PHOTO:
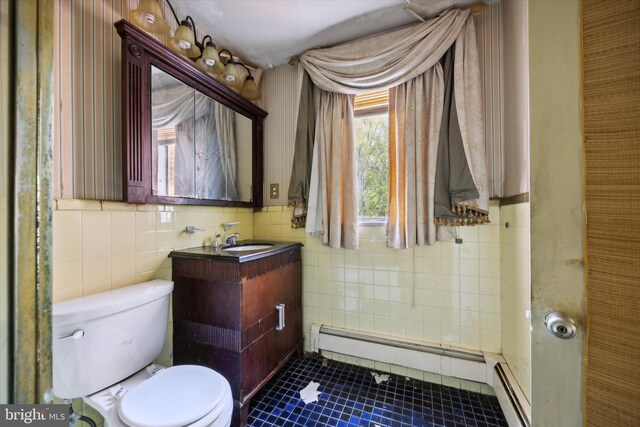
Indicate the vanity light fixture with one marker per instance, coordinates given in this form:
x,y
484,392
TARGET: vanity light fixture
x,y
185,43
231,75
249,89
184,40
148,16
210,59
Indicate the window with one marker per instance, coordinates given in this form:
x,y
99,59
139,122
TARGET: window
x,y
371,123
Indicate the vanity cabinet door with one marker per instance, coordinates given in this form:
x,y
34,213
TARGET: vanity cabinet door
x,y
265,347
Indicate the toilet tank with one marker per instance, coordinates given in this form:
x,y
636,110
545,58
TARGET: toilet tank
x,y
101,339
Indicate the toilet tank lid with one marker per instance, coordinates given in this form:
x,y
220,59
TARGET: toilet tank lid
x,y
110,302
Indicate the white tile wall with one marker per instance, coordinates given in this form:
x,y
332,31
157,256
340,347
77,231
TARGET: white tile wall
x,y
516,292
99,246
447,293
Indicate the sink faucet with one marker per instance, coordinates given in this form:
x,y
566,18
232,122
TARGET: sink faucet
x,y
231,240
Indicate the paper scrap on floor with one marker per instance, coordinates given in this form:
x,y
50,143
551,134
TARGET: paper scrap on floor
x,y
380,378
310,393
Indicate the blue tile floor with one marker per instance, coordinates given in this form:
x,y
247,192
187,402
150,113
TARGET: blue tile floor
x,y
350,397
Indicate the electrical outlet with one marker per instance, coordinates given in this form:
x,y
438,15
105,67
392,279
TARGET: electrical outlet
x,y
274,191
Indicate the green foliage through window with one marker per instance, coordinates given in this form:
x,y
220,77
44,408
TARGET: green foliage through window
x,y
372,137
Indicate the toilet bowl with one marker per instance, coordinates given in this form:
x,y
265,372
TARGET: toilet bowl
x,y
186,395
103,346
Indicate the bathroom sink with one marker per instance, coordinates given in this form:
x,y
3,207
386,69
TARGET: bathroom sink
x,y
256,247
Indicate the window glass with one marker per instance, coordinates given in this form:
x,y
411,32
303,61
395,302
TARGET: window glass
x,y
372,157
372,154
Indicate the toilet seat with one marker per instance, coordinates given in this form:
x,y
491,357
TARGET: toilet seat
x,y
175,396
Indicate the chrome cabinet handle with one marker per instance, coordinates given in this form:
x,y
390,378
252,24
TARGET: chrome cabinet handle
x,y
280,308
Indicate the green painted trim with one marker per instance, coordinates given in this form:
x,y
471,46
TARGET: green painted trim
x,y
4,190
45,193
32,199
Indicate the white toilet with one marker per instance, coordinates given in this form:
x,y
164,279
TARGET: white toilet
x,y
103,347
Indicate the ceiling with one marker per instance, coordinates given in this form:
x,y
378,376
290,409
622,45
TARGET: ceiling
x,y
266,33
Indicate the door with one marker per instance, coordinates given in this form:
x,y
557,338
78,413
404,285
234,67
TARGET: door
x,y
596,42
557,278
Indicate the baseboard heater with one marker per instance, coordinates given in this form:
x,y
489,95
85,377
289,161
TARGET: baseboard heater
x,y
514,404
488,368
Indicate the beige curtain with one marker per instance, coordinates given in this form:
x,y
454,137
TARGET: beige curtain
x,y
307,105
332,212
415,112
407,57
467,88
418,139
373,63
468,95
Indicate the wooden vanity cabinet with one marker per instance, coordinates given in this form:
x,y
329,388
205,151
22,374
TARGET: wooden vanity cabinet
x,y
225,317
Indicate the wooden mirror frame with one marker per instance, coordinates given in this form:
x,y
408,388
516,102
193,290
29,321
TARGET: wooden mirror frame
x,y
139,52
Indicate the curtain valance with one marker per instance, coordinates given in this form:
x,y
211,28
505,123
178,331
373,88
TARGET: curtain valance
x,y
384,60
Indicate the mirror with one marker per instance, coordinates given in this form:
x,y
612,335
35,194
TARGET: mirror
x,y
199,146
187,138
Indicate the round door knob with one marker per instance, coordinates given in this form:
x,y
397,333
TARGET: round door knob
x,y
560,324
